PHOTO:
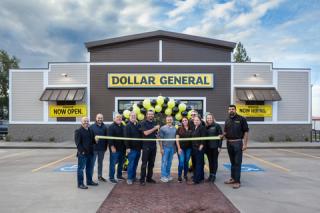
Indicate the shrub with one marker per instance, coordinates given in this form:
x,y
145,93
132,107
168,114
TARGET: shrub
x,y
271,138
7,138
29,138
288,138
306,139
52,139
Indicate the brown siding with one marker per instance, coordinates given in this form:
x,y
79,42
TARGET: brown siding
x,y
185,51
142,50
103,99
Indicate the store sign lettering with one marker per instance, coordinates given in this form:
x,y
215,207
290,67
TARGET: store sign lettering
x,y
254,110
172,80
56,111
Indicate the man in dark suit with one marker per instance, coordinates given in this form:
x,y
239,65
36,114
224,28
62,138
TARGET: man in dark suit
x,y
84,139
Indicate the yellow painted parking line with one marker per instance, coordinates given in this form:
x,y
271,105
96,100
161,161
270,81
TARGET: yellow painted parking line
x,y
53,163
15,154
300,153
267,162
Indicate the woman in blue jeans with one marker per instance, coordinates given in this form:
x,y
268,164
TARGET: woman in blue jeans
x,y
184,148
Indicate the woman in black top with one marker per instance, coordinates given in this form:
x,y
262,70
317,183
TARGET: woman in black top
x,y
198,150
184,148
213,147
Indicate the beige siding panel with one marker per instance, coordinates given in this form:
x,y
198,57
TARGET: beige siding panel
x,y
294,90
244,74
26,89
77,74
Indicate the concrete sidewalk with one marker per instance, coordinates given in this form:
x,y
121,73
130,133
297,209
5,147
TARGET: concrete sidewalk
x,y
71,145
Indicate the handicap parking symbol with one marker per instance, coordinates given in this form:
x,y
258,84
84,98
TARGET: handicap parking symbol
x,y
67,168
245,167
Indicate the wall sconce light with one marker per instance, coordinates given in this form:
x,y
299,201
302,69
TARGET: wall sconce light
x,y
256,75
64,75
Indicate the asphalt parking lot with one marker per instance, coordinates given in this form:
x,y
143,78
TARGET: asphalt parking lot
x,y
43,180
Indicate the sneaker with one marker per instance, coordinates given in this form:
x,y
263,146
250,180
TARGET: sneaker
x,y
179,179
236,185
92,184
213,179
164,180
186,178
102,179
82,186
113,181
151,181
129,182
142,183
121,178
170,178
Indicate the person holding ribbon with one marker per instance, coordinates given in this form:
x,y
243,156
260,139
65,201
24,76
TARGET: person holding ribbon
x,y
117,149
213,147
132,130
198,150
184,148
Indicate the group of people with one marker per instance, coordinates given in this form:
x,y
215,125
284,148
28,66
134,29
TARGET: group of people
x,y
139,140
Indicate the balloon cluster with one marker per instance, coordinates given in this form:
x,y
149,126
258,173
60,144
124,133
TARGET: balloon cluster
x,y
161,105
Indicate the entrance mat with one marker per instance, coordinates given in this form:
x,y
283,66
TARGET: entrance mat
x,y
166,197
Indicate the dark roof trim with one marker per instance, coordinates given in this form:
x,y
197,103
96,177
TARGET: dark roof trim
x,y
161,33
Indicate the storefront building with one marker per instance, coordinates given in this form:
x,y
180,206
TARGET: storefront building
x,y
47,104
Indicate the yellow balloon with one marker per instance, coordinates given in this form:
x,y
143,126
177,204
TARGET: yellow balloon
x,y
171,103
160,100
178,116
140,117
177,127
168,111
123,123
136,110
189,114
151,108
126,113
158,108
146,103
182,107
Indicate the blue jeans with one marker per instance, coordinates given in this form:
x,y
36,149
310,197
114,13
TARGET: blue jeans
x,y
235,155
166,161
100,156
85,161
199,165
133,158
116,158
184,158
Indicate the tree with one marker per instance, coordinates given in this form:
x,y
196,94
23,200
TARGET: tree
x,y
240,54
6,62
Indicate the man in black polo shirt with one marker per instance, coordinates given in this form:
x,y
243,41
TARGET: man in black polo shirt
x,y
149,148
236,132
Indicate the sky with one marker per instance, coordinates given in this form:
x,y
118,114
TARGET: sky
x,y
285,32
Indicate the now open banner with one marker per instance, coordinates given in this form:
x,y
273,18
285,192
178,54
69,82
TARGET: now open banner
x,y
160,80
56,111
254,110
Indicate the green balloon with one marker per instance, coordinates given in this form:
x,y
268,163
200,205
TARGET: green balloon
x,y
168,111
140,117
189,114
171,103
158,108
146,103
160,100
182,107
178,116
126,113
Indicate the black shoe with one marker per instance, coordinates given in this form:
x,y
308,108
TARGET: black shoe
x,y
82,186
142,183
113,181
179,179
213,179
121,178
102,179
209,178
151,181
92,184
186,178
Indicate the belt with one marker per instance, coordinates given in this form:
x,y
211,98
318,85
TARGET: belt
x,y
234,140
